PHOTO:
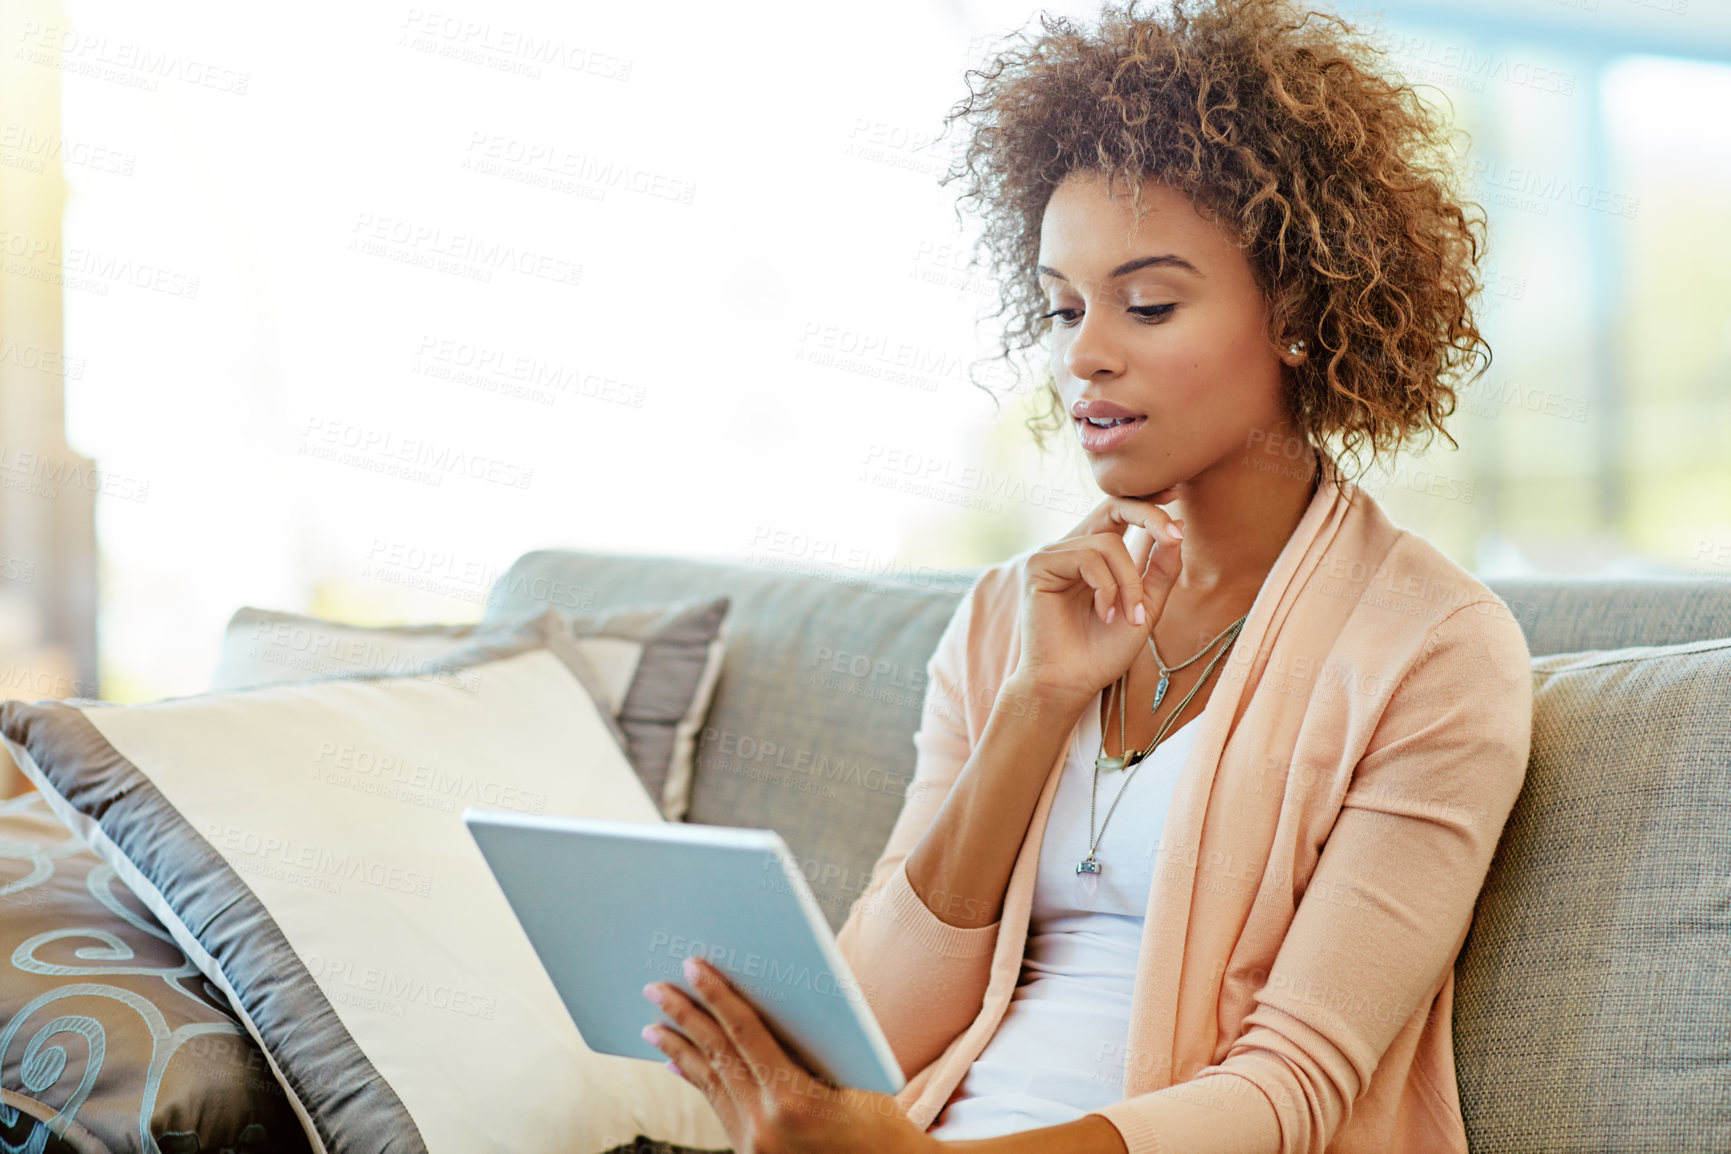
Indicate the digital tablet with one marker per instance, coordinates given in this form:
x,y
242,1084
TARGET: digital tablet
x,y
611,906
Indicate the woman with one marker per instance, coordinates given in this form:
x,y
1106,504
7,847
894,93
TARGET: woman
x,y
1242,248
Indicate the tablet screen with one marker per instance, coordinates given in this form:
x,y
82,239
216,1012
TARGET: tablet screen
x,y
610,906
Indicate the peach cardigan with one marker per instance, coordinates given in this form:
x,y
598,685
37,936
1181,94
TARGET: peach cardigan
x,y
1317,872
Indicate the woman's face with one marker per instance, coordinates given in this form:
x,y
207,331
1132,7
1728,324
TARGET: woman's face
x,y
1165,321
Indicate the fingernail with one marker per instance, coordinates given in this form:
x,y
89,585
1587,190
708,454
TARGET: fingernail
x,y
653,993
1177,533
652,1035
1141,615
691,968
674,1068
1111,613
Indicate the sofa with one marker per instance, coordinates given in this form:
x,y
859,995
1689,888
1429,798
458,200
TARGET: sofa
x,y
1592,1004
1593,992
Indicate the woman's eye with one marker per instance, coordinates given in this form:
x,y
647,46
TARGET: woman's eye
x,y
1149,313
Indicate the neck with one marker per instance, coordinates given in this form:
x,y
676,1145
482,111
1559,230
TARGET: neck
x,y
1237,518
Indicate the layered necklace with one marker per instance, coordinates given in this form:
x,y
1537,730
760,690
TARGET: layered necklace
x,y
1132,760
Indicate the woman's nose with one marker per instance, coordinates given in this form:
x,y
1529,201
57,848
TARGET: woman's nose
x,y
1091,346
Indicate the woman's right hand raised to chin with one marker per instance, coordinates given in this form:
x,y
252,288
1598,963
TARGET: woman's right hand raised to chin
x,y
1125,553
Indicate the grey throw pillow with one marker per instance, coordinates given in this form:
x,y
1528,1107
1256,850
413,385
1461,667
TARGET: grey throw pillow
x,y
1593,997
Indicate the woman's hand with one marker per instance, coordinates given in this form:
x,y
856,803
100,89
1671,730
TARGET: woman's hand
x,y
766,1101
1079,610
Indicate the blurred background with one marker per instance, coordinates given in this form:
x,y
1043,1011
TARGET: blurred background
x,y
340,312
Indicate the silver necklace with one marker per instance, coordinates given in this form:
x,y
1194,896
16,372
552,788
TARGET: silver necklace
x,y
1166,673
1091,864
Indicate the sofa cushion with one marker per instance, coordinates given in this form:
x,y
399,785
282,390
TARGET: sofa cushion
x,y
811,729
357,930
1593,993
107,1032
657,666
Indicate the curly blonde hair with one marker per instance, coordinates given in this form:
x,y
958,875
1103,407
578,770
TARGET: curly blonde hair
x,y
1280,127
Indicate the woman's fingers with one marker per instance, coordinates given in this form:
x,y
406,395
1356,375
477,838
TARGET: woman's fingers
x,y
745,1029
1115,514
705,1044
1106,563
1057,569
687,1061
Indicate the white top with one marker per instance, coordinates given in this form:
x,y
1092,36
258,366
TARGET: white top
x,y
1060,1050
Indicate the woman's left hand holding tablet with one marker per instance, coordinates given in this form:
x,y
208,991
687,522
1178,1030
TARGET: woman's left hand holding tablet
x,y
766,1100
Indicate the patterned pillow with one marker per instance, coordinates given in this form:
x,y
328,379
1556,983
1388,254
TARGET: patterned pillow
x,y
109,1037
657,666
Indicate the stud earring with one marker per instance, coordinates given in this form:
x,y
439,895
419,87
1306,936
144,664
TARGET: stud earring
x,y
1295,347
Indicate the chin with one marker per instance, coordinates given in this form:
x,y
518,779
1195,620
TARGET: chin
x,y
1158,497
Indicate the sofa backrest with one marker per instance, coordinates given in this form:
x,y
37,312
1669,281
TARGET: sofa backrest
x,y
1571,614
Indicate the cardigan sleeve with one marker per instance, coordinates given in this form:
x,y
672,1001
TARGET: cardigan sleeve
x,y
1385,911
924,978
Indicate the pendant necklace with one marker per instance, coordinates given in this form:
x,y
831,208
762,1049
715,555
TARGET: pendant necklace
x,y
1133,759
1166,674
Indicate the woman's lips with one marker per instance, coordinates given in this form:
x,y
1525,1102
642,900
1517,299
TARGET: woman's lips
x,y
1098,440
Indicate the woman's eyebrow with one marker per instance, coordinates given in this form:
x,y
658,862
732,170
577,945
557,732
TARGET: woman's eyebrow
x,y
1131,266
